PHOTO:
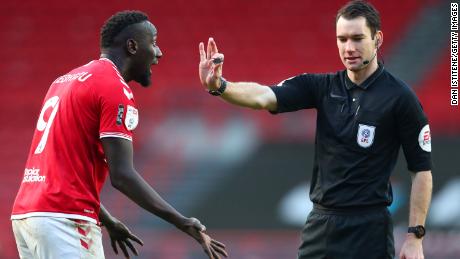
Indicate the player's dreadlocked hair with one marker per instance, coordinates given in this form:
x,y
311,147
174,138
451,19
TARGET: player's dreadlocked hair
x,y
115,24
358,8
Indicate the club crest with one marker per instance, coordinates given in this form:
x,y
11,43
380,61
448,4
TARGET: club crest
x,y
365,136
132,118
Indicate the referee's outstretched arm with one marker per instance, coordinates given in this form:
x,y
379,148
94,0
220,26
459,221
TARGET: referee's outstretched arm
x,y
246,94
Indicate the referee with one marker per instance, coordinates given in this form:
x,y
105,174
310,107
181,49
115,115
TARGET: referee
x,y
364,115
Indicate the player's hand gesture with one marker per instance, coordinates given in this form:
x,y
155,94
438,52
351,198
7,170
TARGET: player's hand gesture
x,y
120,236
213,248
210,68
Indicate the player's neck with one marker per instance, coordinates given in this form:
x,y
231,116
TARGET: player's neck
x,y
359,76
117,60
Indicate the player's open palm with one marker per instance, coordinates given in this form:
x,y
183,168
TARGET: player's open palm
x,y
213,248
211,62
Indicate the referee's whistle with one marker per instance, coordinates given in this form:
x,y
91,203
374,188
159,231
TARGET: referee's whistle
x,y
217,60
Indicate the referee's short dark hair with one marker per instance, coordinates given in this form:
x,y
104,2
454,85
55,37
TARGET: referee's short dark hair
x,y
115,24
362,8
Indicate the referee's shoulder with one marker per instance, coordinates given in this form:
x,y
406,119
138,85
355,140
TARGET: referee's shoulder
x,y
404,96
397,85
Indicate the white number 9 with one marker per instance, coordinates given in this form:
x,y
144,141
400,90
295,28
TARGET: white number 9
x,y
43,125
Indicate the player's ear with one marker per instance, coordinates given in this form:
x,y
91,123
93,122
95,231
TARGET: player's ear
x,y
131,46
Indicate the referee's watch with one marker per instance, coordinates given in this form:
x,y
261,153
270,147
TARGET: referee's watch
x,y
221,89
418,231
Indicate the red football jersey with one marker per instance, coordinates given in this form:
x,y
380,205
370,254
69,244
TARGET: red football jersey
x,y
66,166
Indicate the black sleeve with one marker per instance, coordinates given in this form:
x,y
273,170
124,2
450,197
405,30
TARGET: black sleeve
x,y
299,92
413,132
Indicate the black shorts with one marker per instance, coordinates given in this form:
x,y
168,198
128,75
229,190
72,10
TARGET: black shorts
x,y
348,234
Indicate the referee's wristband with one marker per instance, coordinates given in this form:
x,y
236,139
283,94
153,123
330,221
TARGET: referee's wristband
x,y
221,89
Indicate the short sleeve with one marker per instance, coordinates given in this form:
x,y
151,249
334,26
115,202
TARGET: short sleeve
x,y
298,92
414,132
118,113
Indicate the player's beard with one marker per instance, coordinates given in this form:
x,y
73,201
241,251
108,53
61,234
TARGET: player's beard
x,y
145,79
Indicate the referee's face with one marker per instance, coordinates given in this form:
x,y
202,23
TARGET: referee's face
x,y
355,43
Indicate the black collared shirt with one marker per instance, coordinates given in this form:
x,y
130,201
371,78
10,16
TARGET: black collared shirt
x,y
359,132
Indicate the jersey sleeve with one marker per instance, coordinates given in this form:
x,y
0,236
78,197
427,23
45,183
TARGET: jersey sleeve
x,y
414,132
298,92
118,113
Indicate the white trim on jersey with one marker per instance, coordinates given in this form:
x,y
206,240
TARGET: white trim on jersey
x,y
53,214
115,135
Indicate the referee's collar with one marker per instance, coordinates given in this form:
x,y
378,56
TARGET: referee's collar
x,y
364,85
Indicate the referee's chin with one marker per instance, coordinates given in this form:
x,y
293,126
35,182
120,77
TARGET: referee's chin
x,y
356,68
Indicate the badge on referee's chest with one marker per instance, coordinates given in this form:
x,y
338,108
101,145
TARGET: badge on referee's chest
x,y
365,136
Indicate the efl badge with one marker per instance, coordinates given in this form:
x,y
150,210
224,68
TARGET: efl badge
x,y
132,117
424,138
365,136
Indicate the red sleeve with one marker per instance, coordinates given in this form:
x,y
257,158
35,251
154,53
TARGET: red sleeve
x,y
118,113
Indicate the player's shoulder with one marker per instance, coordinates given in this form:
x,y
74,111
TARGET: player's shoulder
x,y
93,72
101,69
104,75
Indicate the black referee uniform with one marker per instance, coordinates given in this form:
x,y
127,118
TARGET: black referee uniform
x,y
360,129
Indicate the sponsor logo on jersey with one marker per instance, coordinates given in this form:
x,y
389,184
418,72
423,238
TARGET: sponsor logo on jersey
x,y
132,117
365,136
32,175
424,138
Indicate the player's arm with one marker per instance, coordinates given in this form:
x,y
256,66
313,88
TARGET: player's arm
x,y
123,176
251,95
119,233
105,217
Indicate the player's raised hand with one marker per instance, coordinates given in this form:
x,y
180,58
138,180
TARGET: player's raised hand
x,y
213,248
211,62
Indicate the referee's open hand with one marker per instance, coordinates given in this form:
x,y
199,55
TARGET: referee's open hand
x,y
211,63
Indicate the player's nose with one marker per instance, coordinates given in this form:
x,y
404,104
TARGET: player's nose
x,y
158,52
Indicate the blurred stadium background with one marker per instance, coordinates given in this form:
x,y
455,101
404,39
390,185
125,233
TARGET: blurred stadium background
x,y
244,173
